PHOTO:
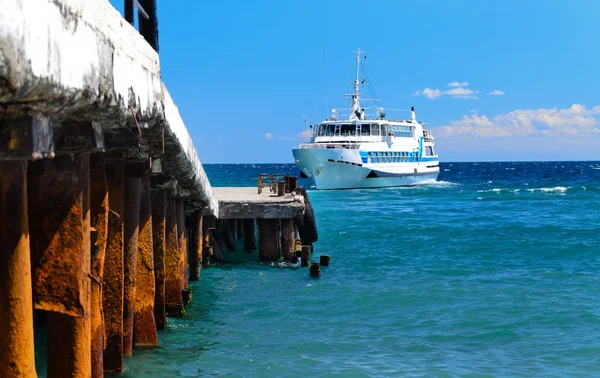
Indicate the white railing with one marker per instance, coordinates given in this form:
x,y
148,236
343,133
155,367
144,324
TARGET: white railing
x,y
346,146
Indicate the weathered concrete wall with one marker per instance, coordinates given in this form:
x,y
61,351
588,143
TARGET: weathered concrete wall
x,y
69,54
80,61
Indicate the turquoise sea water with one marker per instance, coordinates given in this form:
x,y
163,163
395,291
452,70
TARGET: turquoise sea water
x,y
493,271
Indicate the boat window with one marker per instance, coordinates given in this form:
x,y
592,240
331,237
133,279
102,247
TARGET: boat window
x,y
348,130
330,129
322,129
375,130
365,129
403,131
428,151
337,130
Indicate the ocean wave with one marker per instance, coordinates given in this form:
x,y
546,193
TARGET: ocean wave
x,y
556,189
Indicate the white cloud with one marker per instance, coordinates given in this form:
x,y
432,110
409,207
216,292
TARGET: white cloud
x,y
576,120
461,92
268,136
429,93
457,90
457,84
496,92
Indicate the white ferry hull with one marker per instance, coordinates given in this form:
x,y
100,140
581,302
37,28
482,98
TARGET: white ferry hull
x,y
343,169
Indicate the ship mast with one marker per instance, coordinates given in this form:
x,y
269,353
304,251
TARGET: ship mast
x,y
355,112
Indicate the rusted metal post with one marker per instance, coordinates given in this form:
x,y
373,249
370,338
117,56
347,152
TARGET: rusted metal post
x,y
173,300
112,287
268,242
144,325
99,234
59,220
16,304
305,258
182,242
159,243
196,247
287,240
130,256
249,235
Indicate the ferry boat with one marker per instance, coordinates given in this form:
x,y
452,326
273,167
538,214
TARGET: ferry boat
x,y
367,152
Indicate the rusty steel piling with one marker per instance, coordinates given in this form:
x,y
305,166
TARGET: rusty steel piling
x,y
16,303
159,247
173,299
182,243
268,240
112,287
130,257
287,240
98,236
144,324
61,259
196,246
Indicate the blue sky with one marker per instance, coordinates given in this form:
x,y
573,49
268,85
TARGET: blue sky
x,y
243,74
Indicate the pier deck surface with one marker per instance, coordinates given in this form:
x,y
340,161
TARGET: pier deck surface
x,y
245,202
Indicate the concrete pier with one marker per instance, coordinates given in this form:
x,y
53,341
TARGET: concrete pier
x,y
97,176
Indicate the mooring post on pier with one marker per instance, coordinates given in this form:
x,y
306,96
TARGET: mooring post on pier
x,y
249,235
16,303
173,299
112,283
268,240
130,256
61,259
305,257
196,246
144,324
98,237
159,247
288,240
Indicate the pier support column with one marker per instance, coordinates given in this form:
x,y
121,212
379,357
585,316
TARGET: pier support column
x,y
233,228
249,235
59,212
159,243
112,287
99,234
196,246
16,304
182,242
173,299
268,242
240,228
287,240
130,257
144,324
228,236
